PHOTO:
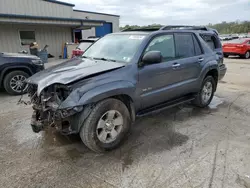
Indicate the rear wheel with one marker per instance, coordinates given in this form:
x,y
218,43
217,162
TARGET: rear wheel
x,y
247,55
206,92
226,55
14,82
106,126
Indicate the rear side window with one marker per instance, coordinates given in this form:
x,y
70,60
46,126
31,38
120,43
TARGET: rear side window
x,y
184,45
212,41
197,46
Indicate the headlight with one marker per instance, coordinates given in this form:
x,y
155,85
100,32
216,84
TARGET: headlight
x,y
37,61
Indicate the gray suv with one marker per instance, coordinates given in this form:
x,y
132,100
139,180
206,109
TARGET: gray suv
x,y
125,75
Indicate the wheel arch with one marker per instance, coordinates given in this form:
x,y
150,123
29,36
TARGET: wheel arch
x,y
215,74
14,68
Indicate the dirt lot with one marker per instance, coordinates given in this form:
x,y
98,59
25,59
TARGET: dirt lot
x,y
181,147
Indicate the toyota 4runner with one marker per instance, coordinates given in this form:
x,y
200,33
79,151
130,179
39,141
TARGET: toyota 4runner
x,y
124,75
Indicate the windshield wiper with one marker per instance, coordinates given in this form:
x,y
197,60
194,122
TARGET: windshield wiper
x,y
104,59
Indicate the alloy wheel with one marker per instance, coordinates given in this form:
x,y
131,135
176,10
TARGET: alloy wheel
x,y
109,126
207,92
17,83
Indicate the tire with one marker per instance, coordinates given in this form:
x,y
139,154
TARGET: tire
x,y
199,100
226,55
90,133
9,77
247,55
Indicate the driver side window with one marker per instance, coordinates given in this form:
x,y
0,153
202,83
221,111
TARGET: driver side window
x,y
164,44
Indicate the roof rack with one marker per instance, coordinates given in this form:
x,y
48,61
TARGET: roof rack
x,y
147,29
186,27
172,27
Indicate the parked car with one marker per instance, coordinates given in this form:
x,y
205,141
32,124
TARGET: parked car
x,y
125,75
239,47
83,45
15,69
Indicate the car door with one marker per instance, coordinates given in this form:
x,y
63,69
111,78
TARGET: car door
x,y
156,81
190,58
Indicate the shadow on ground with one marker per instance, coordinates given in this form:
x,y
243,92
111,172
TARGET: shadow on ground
x,y
151,134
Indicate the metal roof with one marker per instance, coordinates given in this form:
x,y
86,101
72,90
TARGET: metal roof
x,y
47,18
76,10
60,2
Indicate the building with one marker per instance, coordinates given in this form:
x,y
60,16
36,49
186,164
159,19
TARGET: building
x,y
49,22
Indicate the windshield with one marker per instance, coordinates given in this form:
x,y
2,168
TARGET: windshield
x,y
237,41
84,45
115,47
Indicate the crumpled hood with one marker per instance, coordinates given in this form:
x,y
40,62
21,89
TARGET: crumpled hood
x,y
70,71
17,55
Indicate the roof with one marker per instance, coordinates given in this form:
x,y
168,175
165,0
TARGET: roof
x,y
60,2
172,28
47,18
96,13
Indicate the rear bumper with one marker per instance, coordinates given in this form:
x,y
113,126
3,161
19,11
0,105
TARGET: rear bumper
x,y
223,70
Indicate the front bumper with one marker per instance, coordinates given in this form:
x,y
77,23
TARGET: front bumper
x,y
223,70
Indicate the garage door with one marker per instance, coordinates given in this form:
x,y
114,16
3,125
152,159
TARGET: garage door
x,y
100,31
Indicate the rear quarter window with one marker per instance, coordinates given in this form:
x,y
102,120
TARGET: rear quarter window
x,y
212,41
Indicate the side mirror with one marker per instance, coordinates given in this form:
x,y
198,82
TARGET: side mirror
x,y
152,57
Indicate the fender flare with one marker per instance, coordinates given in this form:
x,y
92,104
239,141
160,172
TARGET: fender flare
x,y
99,93
212,65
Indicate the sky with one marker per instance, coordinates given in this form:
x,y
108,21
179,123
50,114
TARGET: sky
x,y
167,12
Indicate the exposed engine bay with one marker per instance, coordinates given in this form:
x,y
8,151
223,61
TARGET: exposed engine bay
x,y
46,108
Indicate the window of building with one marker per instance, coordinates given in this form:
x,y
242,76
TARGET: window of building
x,y
27,37
184,45
164,44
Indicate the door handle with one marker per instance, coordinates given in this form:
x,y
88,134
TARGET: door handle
x,y
175,65
200,59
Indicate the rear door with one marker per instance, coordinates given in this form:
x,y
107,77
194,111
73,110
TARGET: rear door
x,y
190,58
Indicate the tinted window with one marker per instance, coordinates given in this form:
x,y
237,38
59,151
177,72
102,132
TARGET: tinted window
x,y
212,41
164,44
184,45
197,47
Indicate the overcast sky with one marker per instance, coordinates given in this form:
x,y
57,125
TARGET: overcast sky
x,y
145,12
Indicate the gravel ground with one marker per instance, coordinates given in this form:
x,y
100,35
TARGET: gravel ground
x,y
181,147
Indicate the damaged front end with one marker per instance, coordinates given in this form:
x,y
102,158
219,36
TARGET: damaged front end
x,y
48,111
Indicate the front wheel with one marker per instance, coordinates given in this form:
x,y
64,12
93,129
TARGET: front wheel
x,y
206,92
106,126
226,55
14,82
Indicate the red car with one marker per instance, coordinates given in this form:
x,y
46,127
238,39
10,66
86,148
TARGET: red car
x,y
239,47
84,44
